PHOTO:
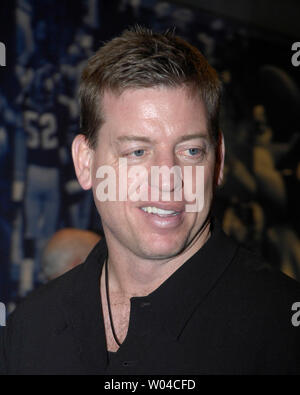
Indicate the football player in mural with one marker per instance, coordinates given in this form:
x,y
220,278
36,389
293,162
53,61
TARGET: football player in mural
x,y
77,201
42,196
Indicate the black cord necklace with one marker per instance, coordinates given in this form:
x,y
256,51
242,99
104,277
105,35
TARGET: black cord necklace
x,y
108,304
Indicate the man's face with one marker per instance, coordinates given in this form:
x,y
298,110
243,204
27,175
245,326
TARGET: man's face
x,y
153,127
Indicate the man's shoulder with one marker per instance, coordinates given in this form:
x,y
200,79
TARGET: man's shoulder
x,y
56,293
246,273
50,295
45,319
250,264
258,280
35,320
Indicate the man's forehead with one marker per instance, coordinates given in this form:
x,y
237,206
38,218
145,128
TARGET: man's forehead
x,y
122,95
124,110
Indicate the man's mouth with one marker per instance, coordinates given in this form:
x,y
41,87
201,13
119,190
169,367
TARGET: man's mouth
x,y
159,211
162,216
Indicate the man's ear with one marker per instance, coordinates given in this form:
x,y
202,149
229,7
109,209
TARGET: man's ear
x,y
82,157
220,157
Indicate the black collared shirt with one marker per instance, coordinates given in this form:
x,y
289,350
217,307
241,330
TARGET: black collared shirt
x,y
222,312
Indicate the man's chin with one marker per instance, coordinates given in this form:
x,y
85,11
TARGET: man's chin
x,y
161,252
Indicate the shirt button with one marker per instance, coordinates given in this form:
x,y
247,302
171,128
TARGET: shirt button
x,y
128,364
145,304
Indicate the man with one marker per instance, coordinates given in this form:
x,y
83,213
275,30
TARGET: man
x,y
66,249
166,292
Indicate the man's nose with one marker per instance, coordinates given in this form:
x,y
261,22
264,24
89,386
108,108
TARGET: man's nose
x,y
166,175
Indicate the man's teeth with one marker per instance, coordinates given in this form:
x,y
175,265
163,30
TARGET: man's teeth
x,y
158,211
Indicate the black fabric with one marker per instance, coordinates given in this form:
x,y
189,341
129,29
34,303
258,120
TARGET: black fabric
x,y
222,312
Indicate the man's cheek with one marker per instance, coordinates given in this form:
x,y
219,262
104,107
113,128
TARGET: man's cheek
x,y
194,188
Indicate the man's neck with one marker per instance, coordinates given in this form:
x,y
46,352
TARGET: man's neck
x,y
130,275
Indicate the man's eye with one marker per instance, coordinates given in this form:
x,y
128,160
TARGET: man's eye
x,y
194,151
193,154
138,153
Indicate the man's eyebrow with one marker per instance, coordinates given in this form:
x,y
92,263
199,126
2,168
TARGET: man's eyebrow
x,y
187,137
133,138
